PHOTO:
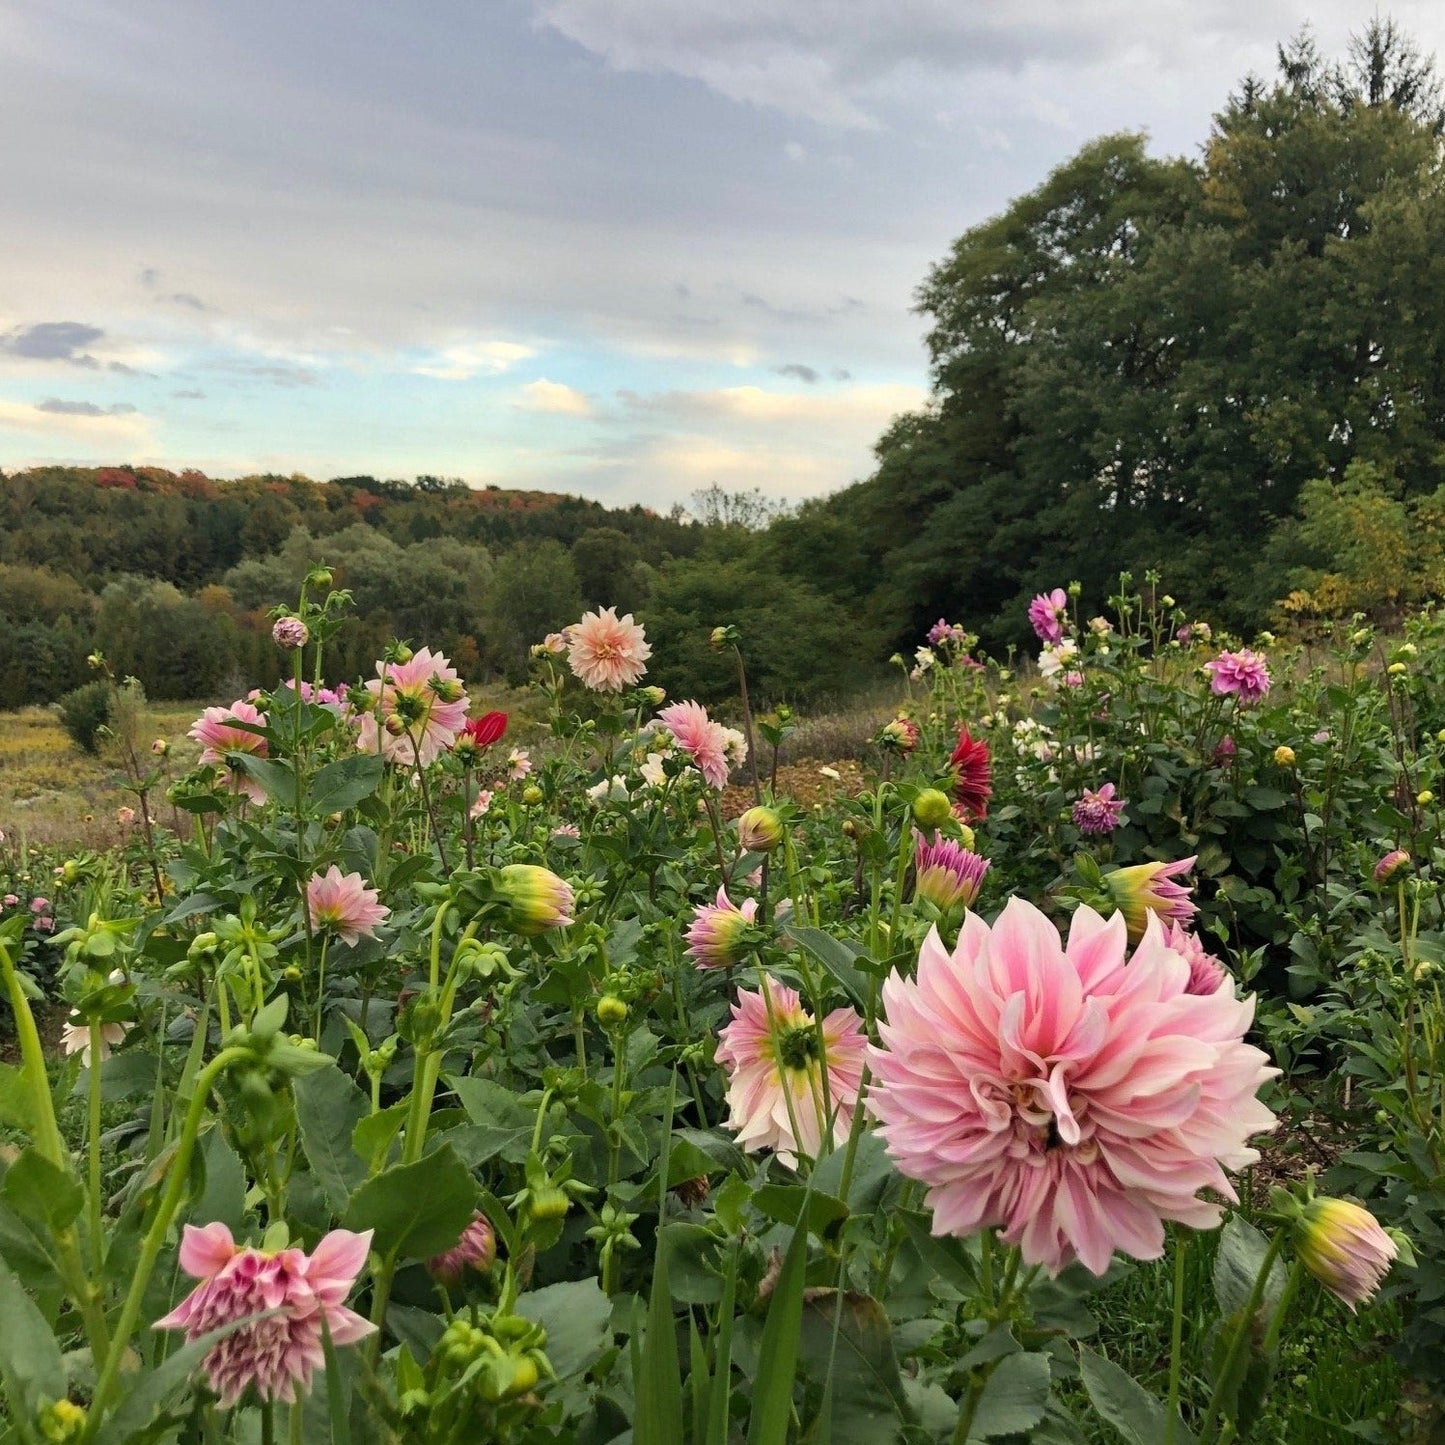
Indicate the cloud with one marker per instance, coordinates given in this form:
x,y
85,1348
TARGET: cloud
x,y
278,373
467,359
555,398
53,341
56,407
798,372
188,299
189,395
864,409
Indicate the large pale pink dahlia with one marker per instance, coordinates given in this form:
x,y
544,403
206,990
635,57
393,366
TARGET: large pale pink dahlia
x,y
295,1291
344,904
771,1053
1070,1094
420,699
606,651
704,741
217,733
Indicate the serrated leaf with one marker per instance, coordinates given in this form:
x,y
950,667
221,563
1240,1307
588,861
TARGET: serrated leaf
x,y
329,1106
1126,1404
416,1210
1014,1398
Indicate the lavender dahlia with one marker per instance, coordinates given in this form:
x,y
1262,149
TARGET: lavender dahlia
x,y
1098,812
1243,674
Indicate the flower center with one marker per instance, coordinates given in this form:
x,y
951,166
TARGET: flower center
x,y
798,1046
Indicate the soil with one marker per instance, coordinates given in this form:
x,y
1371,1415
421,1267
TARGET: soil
x,y
804,782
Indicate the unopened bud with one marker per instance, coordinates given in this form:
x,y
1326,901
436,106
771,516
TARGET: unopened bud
x,y
932,809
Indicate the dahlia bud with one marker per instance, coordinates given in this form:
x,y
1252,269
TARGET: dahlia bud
x,y
1344,1247
549,1202
1390,864
946,874
901,735
652,696
532,795
1150,888
537,899
447,689
160,747
760,830
1425,798
721,637
290,633
932,808
611,1010
1284,756
395,725
475,1250
1395,669
319,577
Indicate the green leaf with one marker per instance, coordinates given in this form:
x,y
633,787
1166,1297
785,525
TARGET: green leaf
x,y
787,1203
1014,1398
374,1135
778,1349
577,1317
1241,1254
840,960
1126,1404
657,1380
43,1192
690,1249
30,1359
223,1199
278,779
417,1210
329,1106
867,1402
343,784
15,1100
503,1124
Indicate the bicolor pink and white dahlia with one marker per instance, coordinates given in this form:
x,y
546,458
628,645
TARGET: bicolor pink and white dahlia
x,y
1046,615
704,741
419,708
607,652
343,904
715,936
1068,1093
295,1291
217,733
776,1064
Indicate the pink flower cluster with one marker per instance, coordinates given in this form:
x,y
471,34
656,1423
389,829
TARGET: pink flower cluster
x,y
1243,674
295,1292
1067,1092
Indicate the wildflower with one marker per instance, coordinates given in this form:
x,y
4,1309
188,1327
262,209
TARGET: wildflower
x,y
1046,612
538,899
481,803
479,733
1150,888
1074,1095
776,1063
946,873
760,830
218,735
75,1038
1206,973
342,903
290,633
1098,812
1284,756
1343,1246
719,930
296,1292
972,776
1390,864
606,652
899,736
409,720
700,738
125,816
476,1250
519,764
1243,674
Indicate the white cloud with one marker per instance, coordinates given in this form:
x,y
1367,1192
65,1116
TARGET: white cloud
x,y
555,398
106,429
467,359
858,408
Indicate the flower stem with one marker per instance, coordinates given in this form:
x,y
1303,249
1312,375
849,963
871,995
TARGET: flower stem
x,y
1176,1342
97,1235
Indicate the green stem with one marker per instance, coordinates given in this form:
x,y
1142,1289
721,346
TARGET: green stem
x,y
1176,1344
321,985
97,1235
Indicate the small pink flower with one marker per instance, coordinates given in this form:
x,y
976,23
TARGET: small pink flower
x,y
1046,612
1098,812
40,905
1390,864
344,904
290,633
46,924
566,830
717,931
703,740
10,900
1244,674
218,735
483,803
295,1292
1206,973
75,1038
772,1054
519,764
1068,1092
607,652
555,643
420,707
476,1250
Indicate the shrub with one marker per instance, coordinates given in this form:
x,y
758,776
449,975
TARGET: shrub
x,y
84,712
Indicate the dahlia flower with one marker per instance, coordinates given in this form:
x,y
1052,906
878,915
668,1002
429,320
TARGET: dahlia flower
x,y
538,899
1243,674
1073,1095
1046,613
946,873
760,830
1343,1246
1206,973
947,634
479,733
342,903
475,1250
481,803
1056,656
607,652
704,741
1098,812
772,1054
421,698
218,735
1150,888
900,736
519,764
296,1292
75,1038
972,776
1390,864
290,633
717,931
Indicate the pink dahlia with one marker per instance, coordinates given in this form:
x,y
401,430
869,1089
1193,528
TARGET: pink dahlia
x,y
1149,888
772,1055
420,699
900,736
1098,812
1390,864
1046,614
946,872
519,764
1068,1093
606,651
476,1250
972,777
294,1290
344,904
1342,1245
1244,674
217,733
290,633
715,937
1206,973
703,740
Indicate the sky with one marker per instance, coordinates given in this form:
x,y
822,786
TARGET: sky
x,y
621,248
